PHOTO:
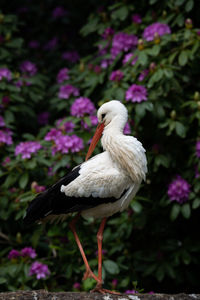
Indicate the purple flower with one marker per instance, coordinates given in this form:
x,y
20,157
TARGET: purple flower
x,y
28,67
62,75
34,44
197,174
6,136
37,188
5,100
106,62
127,129
58,12
65,126
77,285
136,18
136,93
13,254
39,269
71,56
51,44
155,29
198,149
5,73
108,32
179,190
82,106
2,123
6,161
28,252
130,292
116,75
94,122
114,283
123,42
127,58
52,135
65,143
43,118
143,74
67,90
26,148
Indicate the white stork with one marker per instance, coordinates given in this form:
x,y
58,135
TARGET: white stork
x,y
102,185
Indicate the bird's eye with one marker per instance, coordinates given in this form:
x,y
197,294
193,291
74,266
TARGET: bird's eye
x,y
103,116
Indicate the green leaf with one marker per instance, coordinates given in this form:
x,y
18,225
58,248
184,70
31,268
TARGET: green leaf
x,y
180,129
183,58
186,257
160,273
120,13
136,206
175,211
186,211
3,280
23,180
88,284
10,180
111,267
196,203
189,5
142,58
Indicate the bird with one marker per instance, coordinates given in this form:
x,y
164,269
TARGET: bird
x,y
100,186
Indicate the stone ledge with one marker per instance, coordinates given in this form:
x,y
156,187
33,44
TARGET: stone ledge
x,y
44,295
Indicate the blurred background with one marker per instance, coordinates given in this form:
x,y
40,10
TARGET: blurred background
x,y
59,61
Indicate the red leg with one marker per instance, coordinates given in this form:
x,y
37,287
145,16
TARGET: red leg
x,y
98,287
88,273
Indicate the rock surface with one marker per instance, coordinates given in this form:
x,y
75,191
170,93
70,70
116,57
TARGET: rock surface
x,y
44,295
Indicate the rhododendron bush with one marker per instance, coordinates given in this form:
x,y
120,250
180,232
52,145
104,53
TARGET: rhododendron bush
x,y
58,64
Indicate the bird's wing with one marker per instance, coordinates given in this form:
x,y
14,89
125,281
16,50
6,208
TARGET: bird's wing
x,y
95,182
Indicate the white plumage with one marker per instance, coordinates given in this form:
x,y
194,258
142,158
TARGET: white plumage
x,y
117,172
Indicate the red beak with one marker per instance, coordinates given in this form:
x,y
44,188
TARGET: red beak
x,y
95,139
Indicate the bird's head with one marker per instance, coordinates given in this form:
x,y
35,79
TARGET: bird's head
x,y
112,111
111,114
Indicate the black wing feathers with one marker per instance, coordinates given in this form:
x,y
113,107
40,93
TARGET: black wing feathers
x,y
54,202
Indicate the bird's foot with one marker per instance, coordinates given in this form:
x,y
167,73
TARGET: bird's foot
x,y
90,274
99,289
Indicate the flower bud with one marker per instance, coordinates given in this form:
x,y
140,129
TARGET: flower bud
x,y
8,37
156,38
188,23
140,44
173,114
152,67
164,13
82,66
196,96
1,18
198,105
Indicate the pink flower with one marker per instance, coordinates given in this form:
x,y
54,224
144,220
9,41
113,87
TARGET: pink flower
x,y
116,75
127,58
28,67
58,12
179,190
82,106
5,73
27,148
198,149
6,136
71,56
67,90
43,118
13,254
62,75
123,42
127,129
77,285
136,18
143,74
155,29
2,123
108,32
52,134
39,269
28,252
136,93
